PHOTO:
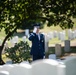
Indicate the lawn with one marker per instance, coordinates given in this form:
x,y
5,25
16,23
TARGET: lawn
x,y
46,29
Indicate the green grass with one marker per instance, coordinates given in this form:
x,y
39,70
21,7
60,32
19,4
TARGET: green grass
x,y
2,35
4,58
45,30
51,28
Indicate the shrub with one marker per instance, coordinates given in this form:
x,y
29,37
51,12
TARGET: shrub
x,y
20,52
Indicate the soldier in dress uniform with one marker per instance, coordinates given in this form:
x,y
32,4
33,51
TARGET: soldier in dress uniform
x,y
37,39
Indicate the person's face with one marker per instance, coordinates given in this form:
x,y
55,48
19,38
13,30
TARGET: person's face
x,y
37,30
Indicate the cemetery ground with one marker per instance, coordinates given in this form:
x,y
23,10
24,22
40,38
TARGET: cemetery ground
x,y
52,51
52,42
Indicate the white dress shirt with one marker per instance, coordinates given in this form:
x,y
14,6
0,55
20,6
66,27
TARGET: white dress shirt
x,y
38,36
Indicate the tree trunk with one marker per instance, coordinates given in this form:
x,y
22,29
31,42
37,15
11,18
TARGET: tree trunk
x,y
1,61
2,46
1,49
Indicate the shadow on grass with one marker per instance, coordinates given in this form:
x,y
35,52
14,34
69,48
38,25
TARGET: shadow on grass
x,y
19,34
52,51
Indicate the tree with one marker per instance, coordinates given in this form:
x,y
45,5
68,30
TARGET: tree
x,y
59,12
13,14
16,13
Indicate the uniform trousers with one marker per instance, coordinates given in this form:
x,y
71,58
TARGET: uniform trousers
x,y
37,57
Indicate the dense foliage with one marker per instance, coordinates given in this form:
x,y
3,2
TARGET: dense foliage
x,y
20,52
59,12
17,13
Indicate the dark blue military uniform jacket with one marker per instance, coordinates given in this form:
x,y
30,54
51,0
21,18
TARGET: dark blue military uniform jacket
x,y
37,45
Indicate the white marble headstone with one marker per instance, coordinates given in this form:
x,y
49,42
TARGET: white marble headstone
x,y
52,56
4,73
27,32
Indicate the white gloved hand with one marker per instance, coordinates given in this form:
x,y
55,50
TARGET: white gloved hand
x,y
35,30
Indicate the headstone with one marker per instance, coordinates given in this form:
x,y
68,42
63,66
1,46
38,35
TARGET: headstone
x,y
62,36
75,33
6,67
4,73
44,67
16,39
24,38
70,64
1,67
25,62
9,62
48,67
51,35
67,46
27,32
21,69
70,37
52,56
6,44
58,50
12,42
55,34
61,69
59,35
46,42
